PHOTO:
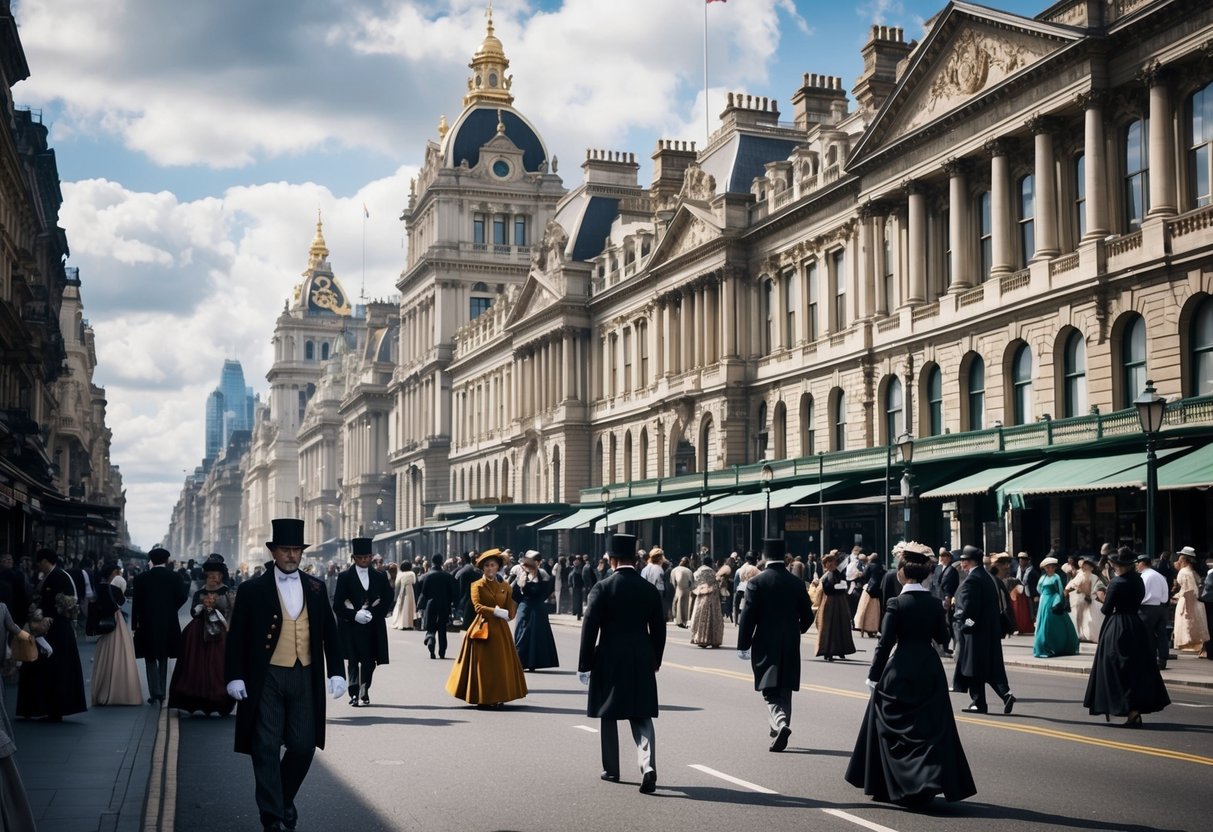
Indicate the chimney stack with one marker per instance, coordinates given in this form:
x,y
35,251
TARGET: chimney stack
x,y
820,100
882,54
670,162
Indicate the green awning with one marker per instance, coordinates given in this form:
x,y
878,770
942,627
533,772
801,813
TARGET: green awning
x,y
1192,471
978,483
1068,476
577,520
472,524
651,510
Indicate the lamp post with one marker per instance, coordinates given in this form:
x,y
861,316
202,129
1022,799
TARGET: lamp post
x,y
905,445
1151,408
606,513
768,474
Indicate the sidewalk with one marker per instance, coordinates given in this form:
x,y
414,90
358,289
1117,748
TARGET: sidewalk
x,y
1184,671
90,772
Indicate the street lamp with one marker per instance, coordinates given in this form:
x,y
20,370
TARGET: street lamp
x,y
905,445
606,512
1151,408
768,474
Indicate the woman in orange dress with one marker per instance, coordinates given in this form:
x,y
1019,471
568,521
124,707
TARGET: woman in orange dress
x,y
487,672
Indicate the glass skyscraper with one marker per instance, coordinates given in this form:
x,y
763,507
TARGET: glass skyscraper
x,y
229,408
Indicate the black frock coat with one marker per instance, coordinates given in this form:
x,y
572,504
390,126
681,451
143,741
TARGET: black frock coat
x,y
156,599
979,648
437,592
253,635
776,613
363,642
467,575
622,641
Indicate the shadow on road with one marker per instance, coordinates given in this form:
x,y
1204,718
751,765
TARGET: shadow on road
x,y
1033,819
392,720
714,794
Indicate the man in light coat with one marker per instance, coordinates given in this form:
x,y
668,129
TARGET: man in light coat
x,y
683,578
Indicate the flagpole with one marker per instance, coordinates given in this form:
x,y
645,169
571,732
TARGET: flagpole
x,y
364,254
707,129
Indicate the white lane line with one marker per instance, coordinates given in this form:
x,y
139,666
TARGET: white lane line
x,y
1188,705
866,824
586,728
745,784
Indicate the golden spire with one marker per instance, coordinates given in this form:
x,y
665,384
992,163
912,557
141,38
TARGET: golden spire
x,y
488,82
319,250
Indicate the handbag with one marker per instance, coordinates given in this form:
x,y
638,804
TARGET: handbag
x,y
105,625
23,648
479,630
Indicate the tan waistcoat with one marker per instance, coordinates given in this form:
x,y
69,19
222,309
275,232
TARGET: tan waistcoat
x,y
295,640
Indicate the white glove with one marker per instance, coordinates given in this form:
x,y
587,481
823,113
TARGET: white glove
x,y
44,646
236,690
969,623
584,678
336,687
744,655
503,614
363,616
871,685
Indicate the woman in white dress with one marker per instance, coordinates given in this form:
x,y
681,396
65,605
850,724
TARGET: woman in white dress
x,y
1191,623
1086,597
115,674
406,602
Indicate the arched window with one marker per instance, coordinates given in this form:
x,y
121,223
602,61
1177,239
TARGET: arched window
x,y
1200,145
324,351
1027,219
627,456
556,467
934,397
1136,171
840,420
309,351
1133,360
1202,349
644,453
705,444
598,475
894,411
1074,375
807,437
613,462
779,428
977,393
764,437
1021,385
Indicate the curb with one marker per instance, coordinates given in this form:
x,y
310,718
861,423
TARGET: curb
x,y
160,806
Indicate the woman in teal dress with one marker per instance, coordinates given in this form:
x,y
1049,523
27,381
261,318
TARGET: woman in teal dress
x,y
1055,633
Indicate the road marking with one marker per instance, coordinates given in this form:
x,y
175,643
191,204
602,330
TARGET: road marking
x,y
1189,705
586,728
736,781
986,722
866,824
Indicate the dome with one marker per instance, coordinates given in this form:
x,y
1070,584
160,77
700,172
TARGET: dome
x,y
478,125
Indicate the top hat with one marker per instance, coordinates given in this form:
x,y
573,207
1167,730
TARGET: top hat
x,y
971,553
287,532
361,546
774,548
623,546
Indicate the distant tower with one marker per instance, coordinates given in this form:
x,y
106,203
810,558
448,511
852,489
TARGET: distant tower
x,y
229,408
214,424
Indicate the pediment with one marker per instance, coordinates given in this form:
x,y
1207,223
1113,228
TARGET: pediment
x,y
691,228
538,293
970,51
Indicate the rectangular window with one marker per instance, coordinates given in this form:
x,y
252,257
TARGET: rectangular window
x,y
499,238
840,290
768,303
627,359
887,285
613,358
1080,195
478,230
642,351
985,226
946,220
1027,219
1136,171
814,289
520,231
478,306
789,304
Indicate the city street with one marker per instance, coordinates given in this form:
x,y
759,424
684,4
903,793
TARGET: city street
x,y
419,760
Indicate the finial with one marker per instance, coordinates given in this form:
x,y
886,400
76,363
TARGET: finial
x,y
319,249
443,127
488,13
500,121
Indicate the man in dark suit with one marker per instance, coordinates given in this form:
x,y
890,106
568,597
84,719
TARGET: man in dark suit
x,y
947,581
361,602
281,645
776,613
467,575
157,596
577,581
979,635
437,592
622,641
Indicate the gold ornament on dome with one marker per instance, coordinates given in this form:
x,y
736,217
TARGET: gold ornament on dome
x,y
326,294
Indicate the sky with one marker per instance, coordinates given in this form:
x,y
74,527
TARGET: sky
x,y
197,140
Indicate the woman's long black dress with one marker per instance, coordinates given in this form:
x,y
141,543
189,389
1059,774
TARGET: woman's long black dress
x,y
532,629
834,618
53,686
1124,676
908,750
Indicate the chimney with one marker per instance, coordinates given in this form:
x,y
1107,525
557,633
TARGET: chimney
x,y
744,110
611,167
670,162
882,54
820,100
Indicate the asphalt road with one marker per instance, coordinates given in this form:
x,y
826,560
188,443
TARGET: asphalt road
x,y
419,760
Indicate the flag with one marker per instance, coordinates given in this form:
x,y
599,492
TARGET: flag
x,y
365,212
718,1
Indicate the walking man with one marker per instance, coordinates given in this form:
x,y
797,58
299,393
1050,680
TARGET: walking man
x,y
437,592
776,614
979,635
361,603
157,597
947,580
622,641
577,582
1154,607
281,645
465,576
682,578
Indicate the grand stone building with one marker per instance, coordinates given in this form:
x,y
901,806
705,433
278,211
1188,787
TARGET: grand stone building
x,y
991,245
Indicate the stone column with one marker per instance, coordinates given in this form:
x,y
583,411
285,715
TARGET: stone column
x,y
1163,200
566,366
712,321
1001,246
959,229
1096,167
686,349
665,336
917,221
1045,174
729,286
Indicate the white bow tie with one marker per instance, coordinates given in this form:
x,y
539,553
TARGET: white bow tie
x,y
293,576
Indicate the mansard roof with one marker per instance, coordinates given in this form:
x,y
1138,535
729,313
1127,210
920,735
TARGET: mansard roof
x,y
477,126
744,157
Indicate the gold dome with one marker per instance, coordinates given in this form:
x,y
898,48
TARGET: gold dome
x,y
489,83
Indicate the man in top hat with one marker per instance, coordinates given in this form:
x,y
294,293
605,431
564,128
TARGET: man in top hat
x,y
437,592
775,615
622,641
281,646
978,619
361,602
1154,607
157,596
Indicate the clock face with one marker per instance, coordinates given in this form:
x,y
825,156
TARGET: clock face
x,y
501,168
